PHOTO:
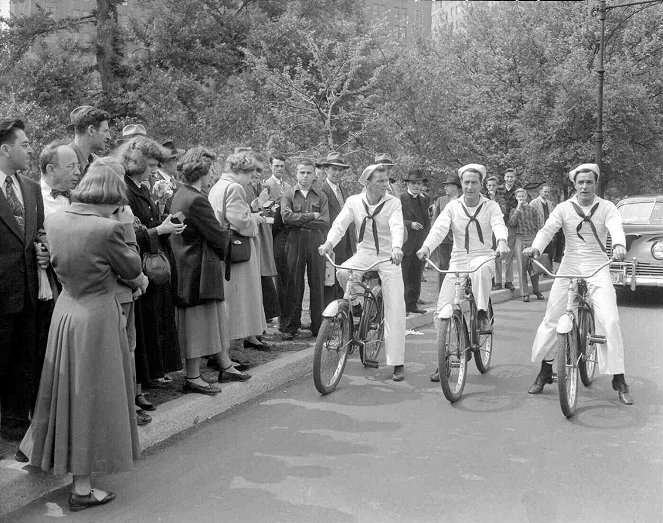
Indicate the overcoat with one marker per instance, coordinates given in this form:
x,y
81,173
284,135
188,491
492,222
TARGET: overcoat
x,y
85,417
348,244
415,210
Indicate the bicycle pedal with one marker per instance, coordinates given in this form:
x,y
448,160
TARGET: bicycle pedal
x,y
596,338
373,364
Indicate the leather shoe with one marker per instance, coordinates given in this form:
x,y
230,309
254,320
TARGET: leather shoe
x,y
21,457
233,376
543,378
142,418
623,391
417,310
399,374
539,296
484,322
497,286
142,403
509,285
435,376
78,502
210,390
257,346
526,298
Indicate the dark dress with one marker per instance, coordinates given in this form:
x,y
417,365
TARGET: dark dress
x,y
157,348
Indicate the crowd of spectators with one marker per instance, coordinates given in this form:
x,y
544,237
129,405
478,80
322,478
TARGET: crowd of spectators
x,y
117,270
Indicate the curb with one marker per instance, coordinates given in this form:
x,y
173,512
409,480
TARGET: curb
x,y
20,484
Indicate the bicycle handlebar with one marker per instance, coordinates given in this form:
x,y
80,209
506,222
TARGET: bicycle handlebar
x,y
357,268
584,276
430,263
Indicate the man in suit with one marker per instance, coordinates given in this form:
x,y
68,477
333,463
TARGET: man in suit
x,y
276,187
91,134
335,168
508,195
417,223
60,172
544,207
21,225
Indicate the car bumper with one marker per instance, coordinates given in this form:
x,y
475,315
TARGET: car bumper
x,y
620,278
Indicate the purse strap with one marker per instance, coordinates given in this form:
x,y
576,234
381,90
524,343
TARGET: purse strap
x,y
227,226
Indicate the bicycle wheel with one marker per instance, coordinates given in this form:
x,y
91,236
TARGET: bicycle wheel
x,y
331,351
567,370
588,351
371,329
484,352
451,360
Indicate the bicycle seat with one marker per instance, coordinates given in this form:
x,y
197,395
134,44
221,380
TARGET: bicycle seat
x,y
371,275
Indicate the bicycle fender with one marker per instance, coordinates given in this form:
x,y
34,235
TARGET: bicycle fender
x,y
332,309
564,324
446,312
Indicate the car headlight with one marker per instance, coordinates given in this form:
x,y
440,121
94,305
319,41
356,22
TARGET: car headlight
x,y
657,250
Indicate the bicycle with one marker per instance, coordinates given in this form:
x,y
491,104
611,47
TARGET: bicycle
x,y
339,336
455,342
576,351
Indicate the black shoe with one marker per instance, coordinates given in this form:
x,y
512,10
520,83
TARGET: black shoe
x,y
619,384
142,403
435,376
78,502
210,390
257,346
485,327
526,298
497,286
399,373
416,310
539,296
232,376
20,456
142,418
509,285
544,377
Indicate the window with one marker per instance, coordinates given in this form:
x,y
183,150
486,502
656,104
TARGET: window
x,y
419,16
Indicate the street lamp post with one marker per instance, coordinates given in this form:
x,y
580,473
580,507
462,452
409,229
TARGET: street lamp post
x,y
601,10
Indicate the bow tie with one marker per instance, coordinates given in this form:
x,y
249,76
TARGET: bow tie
x,y
55,193
473,218
587,218
370,216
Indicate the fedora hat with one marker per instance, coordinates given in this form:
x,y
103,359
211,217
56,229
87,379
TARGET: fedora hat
x,y
131,131
383,159
334,158
453,179
174,151
415,175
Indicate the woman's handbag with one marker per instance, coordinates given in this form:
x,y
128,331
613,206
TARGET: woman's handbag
x,y
240,246
155,263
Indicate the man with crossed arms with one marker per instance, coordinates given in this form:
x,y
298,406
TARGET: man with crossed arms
x,y
473,219
586,220
378,217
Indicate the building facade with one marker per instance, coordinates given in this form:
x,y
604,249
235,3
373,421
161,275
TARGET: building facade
x,y
407,19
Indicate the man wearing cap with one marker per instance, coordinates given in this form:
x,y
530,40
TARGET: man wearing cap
x,y
305,214
335,168
384,159
91,134
417,222
586,221
442,255
473,220
378,217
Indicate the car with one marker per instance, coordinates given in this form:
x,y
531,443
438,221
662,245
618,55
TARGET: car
x,y
642,217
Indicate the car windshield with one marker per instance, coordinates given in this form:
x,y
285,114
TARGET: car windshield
x,y
641,212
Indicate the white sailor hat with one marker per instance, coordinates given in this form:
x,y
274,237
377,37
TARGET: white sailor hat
x,y
472,167
585,168
368,171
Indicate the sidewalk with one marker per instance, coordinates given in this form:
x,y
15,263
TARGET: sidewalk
x,y
20,484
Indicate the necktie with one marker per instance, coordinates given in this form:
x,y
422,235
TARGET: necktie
x,y
339,195
467,227
14,203
55,193
370,216
546,211
587,218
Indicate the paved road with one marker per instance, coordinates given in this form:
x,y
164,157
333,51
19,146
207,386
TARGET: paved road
x,y
381,451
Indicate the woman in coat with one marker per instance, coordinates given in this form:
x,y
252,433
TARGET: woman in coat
x,y
157,350
201,313
243,292
85,419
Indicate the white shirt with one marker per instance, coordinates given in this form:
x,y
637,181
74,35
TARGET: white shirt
x,y
453,218
17,187
389,222
606,219
51,204
165,175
